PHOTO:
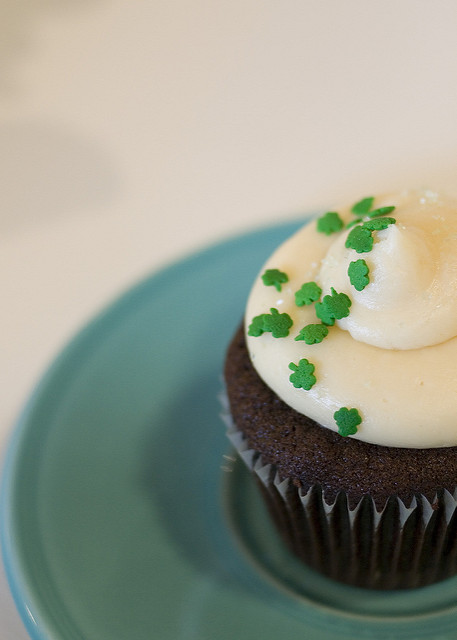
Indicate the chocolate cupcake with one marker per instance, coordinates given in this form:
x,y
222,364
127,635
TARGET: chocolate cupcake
x,y
342,390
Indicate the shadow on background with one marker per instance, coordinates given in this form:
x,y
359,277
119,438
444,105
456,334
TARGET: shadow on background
x,y
48,171
17,22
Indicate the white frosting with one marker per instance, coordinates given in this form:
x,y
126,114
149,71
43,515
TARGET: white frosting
x,y
394,358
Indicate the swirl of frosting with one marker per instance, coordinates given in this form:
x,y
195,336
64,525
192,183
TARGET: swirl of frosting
x,y
411,299
394,356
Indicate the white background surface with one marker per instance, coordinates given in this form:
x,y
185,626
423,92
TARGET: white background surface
x,y
134,131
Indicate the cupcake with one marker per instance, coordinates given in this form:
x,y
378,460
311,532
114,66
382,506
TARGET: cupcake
x,y
342,390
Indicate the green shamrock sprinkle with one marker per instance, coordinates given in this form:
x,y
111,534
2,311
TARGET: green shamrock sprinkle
x,y
256,327
378,224
275,278
307,294
360,239
313,333
277,323
382,211
329,223
336,305
347,421
358,274
303,377
323,314
362,207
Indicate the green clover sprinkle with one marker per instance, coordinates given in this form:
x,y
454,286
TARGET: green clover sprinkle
x,y
382,211
276,323
336,305
275,278
330,223
323,314
347,421
303,377
360,239
307,294
313,333
378,224
358,274
362,207
256,327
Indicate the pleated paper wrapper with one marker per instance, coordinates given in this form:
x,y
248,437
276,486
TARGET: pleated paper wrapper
x,y
397,547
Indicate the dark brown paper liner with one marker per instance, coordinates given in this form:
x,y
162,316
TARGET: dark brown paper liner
x,y
398,547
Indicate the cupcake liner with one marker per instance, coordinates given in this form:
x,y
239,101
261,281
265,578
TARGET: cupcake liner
x,y
399,546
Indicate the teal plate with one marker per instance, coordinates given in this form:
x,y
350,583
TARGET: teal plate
x,y
123,514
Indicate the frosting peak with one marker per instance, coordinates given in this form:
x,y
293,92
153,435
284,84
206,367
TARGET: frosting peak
x,y
408,302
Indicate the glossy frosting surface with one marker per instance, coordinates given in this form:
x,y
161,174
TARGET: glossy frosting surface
x,y
394,357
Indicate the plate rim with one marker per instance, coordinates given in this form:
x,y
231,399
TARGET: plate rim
x,y
33,613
